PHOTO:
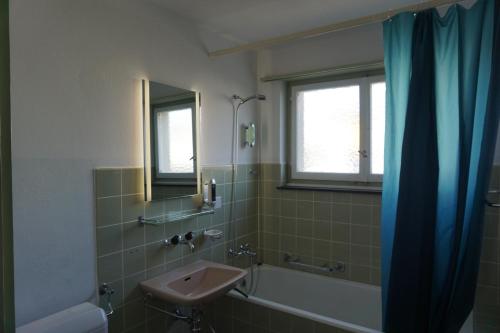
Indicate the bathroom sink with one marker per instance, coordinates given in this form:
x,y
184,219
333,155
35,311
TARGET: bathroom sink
x,y
196,283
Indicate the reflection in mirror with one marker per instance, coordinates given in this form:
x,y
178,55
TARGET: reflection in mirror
x,y
170,141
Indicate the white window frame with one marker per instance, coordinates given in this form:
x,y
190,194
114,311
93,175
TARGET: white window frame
x,y
160,109
364,175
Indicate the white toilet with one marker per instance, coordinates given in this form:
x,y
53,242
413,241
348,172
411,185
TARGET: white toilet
x,y
82,318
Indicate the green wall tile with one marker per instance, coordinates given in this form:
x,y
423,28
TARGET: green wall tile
x,y
134,260
288,226
340,232
305,228
134,314
108,211
115,322
155,255
361,214
270,224
288,208
321,249
109,239
305,209
360,235
322,196
360,255
288,244
131,289
322,211
289,195
341,212
363,198
132,181
132,207
133,234
110,267
322,230
341,197
154,233
340,252
305,195
304,247
107,182
360,273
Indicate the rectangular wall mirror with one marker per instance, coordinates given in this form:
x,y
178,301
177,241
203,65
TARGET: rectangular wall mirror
x,y
170,120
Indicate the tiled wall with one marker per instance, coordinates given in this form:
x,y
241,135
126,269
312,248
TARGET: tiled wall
x,y
320,227
129,253
325,227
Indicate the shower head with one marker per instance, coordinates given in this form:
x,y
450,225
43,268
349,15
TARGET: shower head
x,y
259,97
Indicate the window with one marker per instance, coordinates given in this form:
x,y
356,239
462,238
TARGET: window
x,y
174,141
337,130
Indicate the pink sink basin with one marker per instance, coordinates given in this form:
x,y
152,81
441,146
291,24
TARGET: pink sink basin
x,y
196,283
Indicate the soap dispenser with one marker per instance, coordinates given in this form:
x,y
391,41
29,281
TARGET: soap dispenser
x,y
209,192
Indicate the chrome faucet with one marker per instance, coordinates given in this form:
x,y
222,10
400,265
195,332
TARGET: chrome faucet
x,y
244,250
186,239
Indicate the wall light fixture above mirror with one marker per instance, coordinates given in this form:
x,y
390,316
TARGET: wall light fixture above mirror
x,y
170,120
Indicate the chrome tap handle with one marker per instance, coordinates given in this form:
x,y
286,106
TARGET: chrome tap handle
x,y
175,240
106,290
251,253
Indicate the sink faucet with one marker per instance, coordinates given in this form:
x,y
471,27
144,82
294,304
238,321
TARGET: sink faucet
x,y
244,250
186,239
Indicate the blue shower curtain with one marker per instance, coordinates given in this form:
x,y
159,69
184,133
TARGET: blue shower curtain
x,y
443,106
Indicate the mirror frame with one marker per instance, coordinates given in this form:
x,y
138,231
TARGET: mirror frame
x,y
146,126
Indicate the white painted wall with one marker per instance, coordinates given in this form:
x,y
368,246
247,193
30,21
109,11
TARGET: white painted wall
x,y
347,47
364,44
76,70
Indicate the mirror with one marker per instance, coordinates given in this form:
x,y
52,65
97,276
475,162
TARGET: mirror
x,y
170,141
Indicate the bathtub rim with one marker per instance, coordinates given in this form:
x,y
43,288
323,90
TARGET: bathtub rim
x,y
468,326
307,314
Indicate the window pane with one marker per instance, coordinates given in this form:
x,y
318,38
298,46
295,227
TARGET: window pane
x,y
175,156
328,130
377,127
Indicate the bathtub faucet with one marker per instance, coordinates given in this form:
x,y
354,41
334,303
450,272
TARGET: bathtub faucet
x,y
244,250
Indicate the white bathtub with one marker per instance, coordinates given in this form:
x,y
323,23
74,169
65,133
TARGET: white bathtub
x,y
355,307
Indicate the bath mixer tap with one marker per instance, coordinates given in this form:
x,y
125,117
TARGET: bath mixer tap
x,y
244,250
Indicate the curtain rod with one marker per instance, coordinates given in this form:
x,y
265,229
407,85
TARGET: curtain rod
x,y
339,70
343,25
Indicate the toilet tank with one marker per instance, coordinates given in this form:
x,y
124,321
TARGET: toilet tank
x,y
82,318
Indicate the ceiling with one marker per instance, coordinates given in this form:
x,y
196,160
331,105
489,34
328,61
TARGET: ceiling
x,y
244,21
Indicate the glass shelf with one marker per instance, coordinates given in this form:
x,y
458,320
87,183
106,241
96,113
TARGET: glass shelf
x,y
175,216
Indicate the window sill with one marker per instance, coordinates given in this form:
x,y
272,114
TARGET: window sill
x,y
331,188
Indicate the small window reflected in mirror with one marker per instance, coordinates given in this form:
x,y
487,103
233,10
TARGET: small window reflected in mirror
x,y
170,127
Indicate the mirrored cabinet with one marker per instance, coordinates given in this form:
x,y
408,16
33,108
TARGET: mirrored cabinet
x,y
171,134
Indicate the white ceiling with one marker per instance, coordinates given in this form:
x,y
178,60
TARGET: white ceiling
x,y
243,21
